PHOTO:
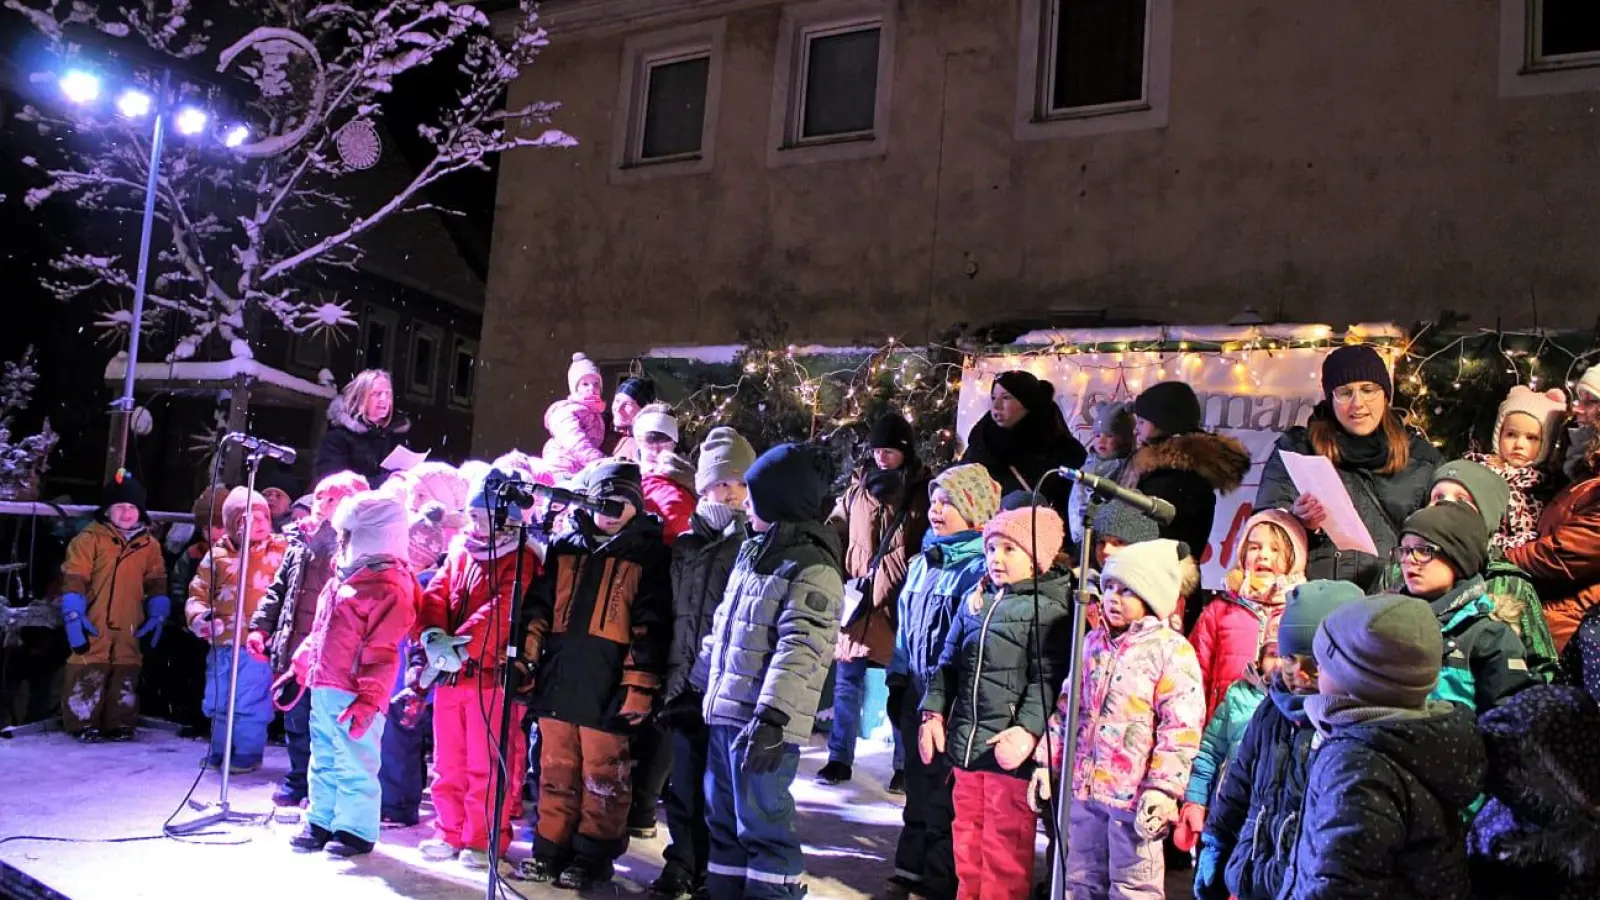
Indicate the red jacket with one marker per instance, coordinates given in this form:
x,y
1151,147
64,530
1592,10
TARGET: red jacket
x,y
1564,559
670,502
355,644
467,599
1227,638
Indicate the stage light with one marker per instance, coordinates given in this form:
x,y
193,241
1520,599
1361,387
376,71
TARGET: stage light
x,y
134,104
80,87
191,121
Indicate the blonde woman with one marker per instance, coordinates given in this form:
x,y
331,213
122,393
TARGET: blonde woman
x,y
362,428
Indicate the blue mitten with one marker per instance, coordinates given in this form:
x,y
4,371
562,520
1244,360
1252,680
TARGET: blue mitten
x,y
75,618
156,611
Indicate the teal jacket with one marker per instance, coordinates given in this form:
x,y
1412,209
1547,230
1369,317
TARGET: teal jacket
x,y
937,581
1483,657
1515,587
1222,735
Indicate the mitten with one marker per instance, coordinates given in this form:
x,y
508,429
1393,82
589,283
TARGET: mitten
x,y
763,742
156,610
255,643
1153,814
407,707
1039,790
75,619
930,737
635,707
1191,822
360,715
1012,747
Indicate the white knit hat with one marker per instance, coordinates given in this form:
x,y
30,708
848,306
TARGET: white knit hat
x,y
1152,571
656,420
1548,409
581,366
376,523
441,483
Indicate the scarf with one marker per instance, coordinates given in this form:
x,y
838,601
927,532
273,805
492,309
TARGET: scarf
x,y
716,516
1330,712
1369,453
379,561
1527,483
886,486
499,545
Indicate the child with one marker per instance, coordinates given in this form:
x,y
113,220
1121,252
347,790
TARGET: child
x,y
1250,826
1442,550
576,422
348,663
993,690
1392,773
289,609
470,597
668,479
1525,432
115,583
597,637
702,560
962,501
215,598
1232,629
1110,445
1139,721
765,661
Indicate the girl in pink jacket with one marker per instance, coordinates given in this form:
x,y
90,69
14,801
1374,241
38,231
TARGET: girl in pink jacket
x,y
576,423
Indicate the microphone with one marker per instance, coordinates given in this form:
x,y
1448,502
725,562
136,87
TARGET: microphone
x,y
266,448
523,493
1154,507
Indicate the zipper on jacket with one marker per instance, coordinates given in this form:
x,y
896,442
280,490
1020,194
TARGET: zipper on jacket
x,y
718,660
977,674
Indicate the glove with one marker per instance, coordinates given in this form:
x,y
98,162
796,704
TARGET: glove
x,y
683,713
1039,790
208,627
1013,747
156,611
763,742
635,707
75,619
896,705
930,737
359,715
1153,814
416,662
524,678
407,707
255,643
1191,822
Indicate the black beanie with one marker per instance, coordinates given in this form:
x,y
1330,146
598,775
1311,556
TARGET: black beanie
x,y
123,488
893,432
789,483
1171,407
1033,394
1457,530
642,390
1352,363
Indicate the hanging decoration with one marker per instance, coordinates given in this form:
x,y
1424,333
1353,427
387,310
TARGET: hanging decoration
x,y
358,143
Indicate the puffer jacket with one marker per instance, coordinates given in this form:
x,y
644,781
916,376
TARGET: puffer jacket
x,y
1110,469
356,445
863,519
940,577
1218,747
775,630
1565,558
361,620
1385,803
1539,834
1189,471
576,434
215,588
289,608
1228,640
468,598
1382,501
115,574
1254,817
1580,662
669,496
989,677
702,561
1140,715
1483,662
1019,456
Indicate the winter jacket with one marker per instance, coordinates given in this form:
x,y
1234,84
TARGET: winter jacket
x,y
1140,715
1019,456
115,574
775,630
1565,559
468,598
940,577
215,588
1109,469
864,519
1483,662
356,445
702,561
1189,471
1218,747
289,608
1580,663
1228,640
1254,817
597,621
1539,834
361,620
1382,501
670,497
1383,814
576,433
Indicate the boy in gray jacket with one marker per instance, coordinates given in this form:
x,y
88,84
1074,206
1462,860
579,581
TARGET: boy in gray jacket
x,y
766,658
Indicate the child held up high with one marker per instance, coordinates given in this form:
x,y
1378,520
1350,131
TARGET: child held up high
x,y
1110,445
576,422
1525,432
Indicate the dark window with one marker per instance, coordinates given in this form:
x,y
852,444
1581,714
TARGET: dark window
x,y
461,384
841,83
424,358
1097,53
1567,28
674,107
376,355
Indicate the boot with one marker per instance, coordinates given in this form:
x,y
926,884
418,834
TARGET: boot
x,y
584,874
311,839
539,870
346,845
834,773
285,796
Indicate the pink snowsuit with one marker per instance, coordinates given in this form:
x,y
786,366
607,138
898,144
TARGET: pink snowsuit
x,y
576,432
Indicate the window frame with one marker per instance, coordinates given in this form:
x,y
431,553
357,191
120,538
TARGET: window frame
x,y
458,344
1037,49
389,319
434,333
1521,73
641,53
800,25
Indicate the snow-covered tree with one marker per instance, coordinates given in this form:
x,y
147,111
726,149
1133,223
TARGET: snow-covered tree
x,y
238,229
24,460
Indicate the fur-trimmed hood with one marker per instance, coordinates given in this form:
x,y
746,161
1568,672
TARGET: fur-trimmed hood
x,y
1220,460
343,418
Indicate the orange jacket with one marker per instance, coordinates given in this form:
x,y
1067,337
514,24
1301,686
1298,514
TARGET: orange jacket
x,y
116,575
1564,559
223,600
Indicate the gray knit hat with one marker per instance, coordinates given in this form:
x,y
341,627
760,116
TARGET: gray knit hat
x,y
1488,489
724,456
1121,521
1384,650
1308,605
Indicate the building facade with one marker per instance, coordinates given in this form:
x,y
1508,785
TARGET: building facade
x,y
857,169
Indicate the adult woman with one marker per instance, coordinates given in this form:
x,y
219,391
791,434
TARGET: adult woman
x,y
633,394
362,429
1386,468
1023,436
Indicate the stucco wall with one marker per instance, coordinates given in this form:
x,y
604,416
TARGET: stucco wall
x,y
1322,162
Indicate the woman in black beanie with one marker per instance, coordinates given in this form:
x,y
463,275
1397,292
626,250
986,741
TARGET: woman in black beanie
x,y
1023,436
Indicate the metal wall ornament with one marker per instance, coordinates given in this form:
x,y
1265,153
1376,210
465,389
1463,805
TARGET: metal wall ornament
x,y
358,143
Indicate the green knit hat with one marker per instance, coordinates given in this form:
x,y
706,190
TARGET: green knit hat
x,y
1308,605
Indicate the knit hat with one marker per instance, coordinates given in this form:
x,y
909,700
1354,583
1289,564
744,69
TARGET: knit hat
x,y
1352,363
123,488
725,455
1307,606
1286,523
1589,383
441,483
619,479
1488,489
1171,407
660,421
1022,499
972,492
1549,409
240,500
1042,536
892,432
581,366
376,523
1457,530
1115,419
481,490
427,535
1383,650
307,503
789,483
642,390
1151,570
207,509
1123,522
1033,393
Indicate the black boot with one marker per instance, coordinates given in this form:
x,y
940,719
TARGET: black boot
x,y
311,839
539,869
345,845
834,773
584,874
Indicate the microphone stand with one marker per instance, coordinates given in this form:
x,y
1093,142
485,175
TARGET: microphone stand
x,y
501,780
1069,737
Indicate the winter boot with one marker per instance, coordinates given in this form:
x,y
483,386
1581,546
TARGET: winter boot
x,y
120,735
539,869
584,874
437,850
834,773
311,839
284,796
476,860
642,823
346,845
673,883
90,736
897,783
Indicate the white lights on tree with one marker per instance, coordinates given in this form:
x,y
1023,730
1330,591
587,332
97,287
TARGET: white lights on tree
x,y
134,104
191,121
358,144
80,87
236,136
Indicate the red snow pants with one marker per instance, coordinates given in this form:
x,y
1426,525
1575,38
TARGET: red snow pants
x,y
466,728
993,835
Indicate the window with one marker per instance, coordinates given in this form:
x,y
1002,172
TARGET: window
x,y
670,85
1093,66
377,339
311,350
1549,46
423,370
831,86
464,364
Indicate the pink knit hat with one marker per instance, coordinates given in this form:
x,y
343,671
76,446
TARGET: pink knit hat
x,y
581,366
1018,526
1548,409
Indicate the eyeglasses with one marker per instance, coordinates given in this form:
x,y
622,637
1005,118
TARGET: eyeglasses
x,y
1348,394
1422,553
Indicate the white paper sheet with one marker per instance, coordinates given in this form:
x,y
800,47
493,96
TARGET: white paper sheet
x,y
1315,475
402,458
